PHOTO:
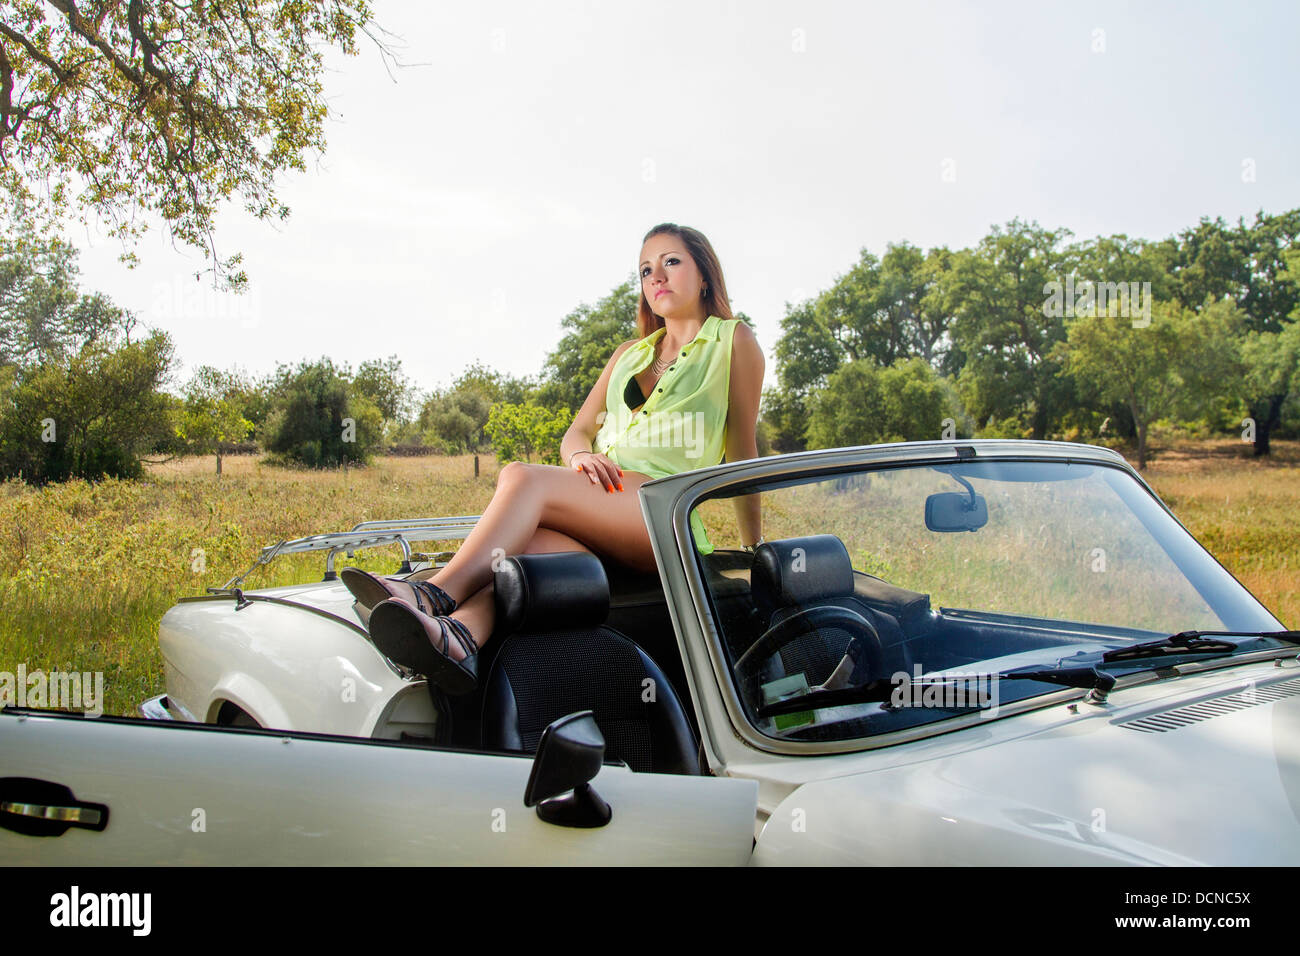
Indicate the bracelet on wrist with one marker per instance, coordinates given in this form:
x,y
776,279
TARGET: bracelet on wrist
x,y
751,548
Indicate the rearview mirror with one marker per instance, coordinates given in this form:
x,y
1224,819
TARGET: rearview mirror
x,y
956,511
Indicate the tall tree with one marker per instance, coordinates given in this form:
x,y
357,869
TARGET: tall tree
x,y
1162,370
592,332
864,403
317,421
386,385
113,107
1003,328
43,316
454,420
212,413
807,353
96,412
1249,264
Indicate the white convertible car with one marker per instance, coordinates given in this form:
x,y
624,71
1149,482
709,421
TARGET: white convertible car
x,y
960,652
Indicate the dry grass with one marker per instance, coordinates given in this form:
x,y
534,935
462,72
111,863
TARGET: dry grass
x,y
1245,511
87,570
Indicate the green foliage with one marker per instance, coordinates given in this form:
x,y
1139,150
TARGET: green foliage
x,y
1003,329
1249,264
865,404
116,108
592,333
983,317
316,421
383,382
784,417
1246,263
77,396
807,353
43,318
88,415
1271,362
518,431
1003,428
454,420
1172,367
211,414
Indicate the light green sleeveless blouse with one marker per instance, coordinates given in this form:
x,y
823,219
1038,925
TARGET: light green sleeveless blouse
x,y
683,423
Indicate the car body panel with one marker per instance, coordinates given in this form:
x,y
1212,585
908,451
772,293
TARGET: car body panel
x,y
1072,785
191,794
294,658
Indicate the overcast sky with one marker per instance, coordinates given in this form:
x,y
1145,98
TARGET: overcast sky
x,y
508,172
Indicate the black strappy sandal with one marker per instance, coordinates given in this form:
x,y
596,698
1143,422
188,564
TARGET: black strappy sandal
x,y
407,636
370,589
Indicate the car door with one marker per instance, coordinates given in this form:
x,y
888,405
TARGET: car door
x,y
134,792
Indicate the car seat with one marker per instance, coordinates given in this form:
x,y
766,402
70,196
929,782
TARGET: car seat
x,y
794,574
559,657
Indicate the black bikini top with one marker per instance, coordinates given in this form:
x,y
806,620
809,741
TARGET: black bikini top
x,y
633,395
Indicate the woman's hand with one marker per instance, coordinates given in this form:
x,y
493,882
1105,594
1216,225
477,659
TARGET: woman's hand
x,y
599,469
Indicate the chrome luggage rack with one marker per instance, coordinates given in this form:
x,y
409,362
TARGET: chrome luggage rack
x,y
368,534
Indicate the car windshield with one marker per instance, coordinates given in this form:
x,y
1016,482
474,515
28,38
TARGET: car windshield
x,y
915,585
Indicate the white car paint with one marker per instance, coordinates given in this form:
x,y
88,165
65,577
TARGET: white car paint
x,y
1051,780
1065,786
197,795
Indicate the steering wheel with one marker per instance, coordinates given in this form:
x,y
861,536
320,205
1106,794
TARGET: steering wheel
x,y
806,622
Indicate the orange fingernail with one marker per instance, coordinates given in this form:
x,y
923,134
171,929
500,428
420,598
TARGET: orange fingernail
x,y
620,486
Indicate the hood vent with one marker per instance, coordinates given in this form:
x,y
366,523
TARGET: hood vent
x,y
1206,709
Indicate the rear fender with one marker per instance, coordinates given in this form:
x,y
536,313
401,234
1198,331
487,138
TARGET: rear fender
x,y
249,696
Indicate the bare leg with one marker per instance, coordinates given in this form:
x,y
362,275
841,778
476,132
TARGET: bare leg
x,y
529,497
478,612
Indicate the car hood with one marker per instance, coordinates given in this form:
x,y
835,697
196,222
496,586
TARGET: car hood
x,y
1210,779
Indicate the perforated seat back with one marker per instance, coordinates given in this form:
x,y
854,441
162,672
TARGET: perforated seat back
x,y
564,659
795,574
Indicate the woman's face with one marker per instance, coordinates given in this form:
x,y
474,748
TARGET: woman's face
x,y
670,280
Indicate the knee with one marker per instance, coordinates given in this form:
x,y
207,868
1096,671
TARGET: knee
x,y
513,473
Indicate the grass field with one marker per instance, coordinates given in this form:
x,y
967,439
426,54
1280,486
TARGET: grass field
x,y
87,570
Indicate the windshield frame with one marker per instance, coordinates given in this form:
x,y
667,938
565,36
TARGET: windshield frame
x,y
805,467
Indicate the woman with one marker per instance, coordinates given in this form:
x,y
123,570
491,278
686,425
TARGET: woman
x,y
681,396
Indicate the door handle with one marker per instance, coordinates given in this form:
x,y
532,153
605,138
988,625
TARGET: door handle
x,y
41,808
77,816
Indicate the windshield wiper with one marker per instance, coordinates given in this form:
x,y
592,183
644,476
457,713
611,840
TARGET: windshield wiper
x,y
1098,682
1192,642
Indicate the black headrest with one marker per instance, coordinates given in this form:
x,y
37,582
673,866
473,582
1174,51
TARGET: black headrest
x,y
547,592
796,571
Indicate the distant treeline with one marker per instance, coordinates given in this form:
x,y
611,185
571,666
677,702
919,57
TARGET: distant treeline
x,y
1027,334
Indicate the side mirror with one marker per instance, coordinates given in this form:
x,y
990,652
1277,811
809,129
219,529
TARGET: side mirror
x,y
956,511
569,754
